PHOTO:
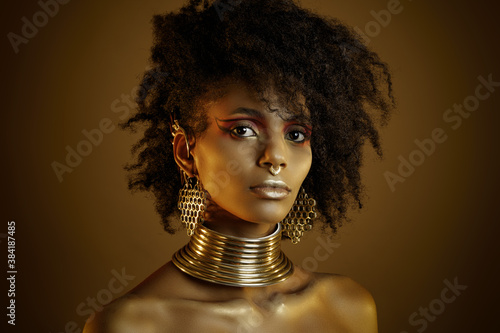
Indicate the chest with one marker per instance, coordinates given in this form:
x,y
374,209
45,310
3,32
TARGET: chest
x,y
305,315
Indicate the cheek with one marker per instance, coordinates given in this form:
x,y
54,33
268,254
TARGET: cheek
x,y
221,167
302,163
212,174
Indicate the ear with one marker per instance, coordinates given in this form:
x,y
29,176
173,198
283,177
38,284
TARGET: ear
x,y
182,155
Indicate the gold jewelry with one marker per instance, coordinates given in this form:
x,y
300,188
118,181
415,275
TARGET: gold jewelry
x,y
274,171
175,129
191,203
297,220
234,261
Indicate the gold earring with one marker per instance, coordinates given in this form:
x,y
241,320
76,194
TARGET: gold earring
x,y
176,128
298,218
191,203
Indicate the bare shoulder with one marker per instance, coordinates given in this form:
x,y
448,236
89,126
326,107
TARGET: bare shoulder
x,y
349,300
128,314
135,311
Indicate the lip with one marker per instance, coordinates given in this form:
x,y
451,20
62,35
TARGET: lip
x,y
271,189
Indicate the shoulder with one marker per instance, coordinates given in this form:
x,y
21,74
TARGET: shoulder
x,y
350,300
132,314
148,303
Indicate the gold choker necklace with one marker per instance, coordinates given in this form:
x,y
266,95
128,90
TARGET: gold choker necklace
x,y
234,261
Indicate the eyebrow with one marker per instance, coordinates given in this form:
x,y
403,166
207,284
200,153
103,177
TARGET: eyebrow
x,y
259,115
248,112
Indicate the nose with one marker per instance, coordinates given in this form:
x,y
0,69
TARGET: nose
x,y
274,155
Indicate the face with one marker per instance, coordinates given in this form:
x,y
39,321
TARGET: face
x,y
244,142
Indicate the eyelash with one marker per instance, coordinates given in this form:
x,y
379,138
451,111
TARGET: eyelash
x,y
232,130
306,136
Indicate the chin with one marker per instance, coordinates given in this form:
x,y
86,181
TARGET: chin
x,y
269,212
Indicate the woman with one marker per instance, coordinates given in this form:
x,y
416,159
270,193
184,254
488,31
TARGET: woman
x,y
255,112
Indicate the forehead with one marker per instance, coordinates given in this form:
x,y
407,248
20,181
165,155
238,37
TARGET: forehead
x,y
240,99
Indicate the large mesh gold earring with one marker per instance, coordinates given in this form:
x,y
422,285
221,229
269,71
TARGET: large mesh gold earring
x,y
298,218
191,203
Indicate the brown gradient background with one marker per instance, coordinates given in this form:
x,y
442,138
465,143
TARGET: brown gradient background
x,y
441,223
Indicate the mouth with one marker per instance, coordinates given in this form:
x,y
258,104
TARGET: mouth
x,y
271,189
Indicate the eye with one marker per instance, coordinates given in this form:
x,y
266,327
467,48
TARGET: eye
x,y
298,134
238,128
243,131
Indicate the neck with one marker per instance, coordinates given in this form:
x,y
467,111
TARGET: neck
x,y
243,229
234,261
222,221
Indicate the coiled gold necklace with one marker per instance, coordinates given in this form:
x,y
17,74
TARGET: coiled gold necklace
x,y
234,261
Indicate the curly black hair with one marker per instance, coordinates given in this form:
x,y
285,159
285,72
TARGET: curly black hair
x,y
263,43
